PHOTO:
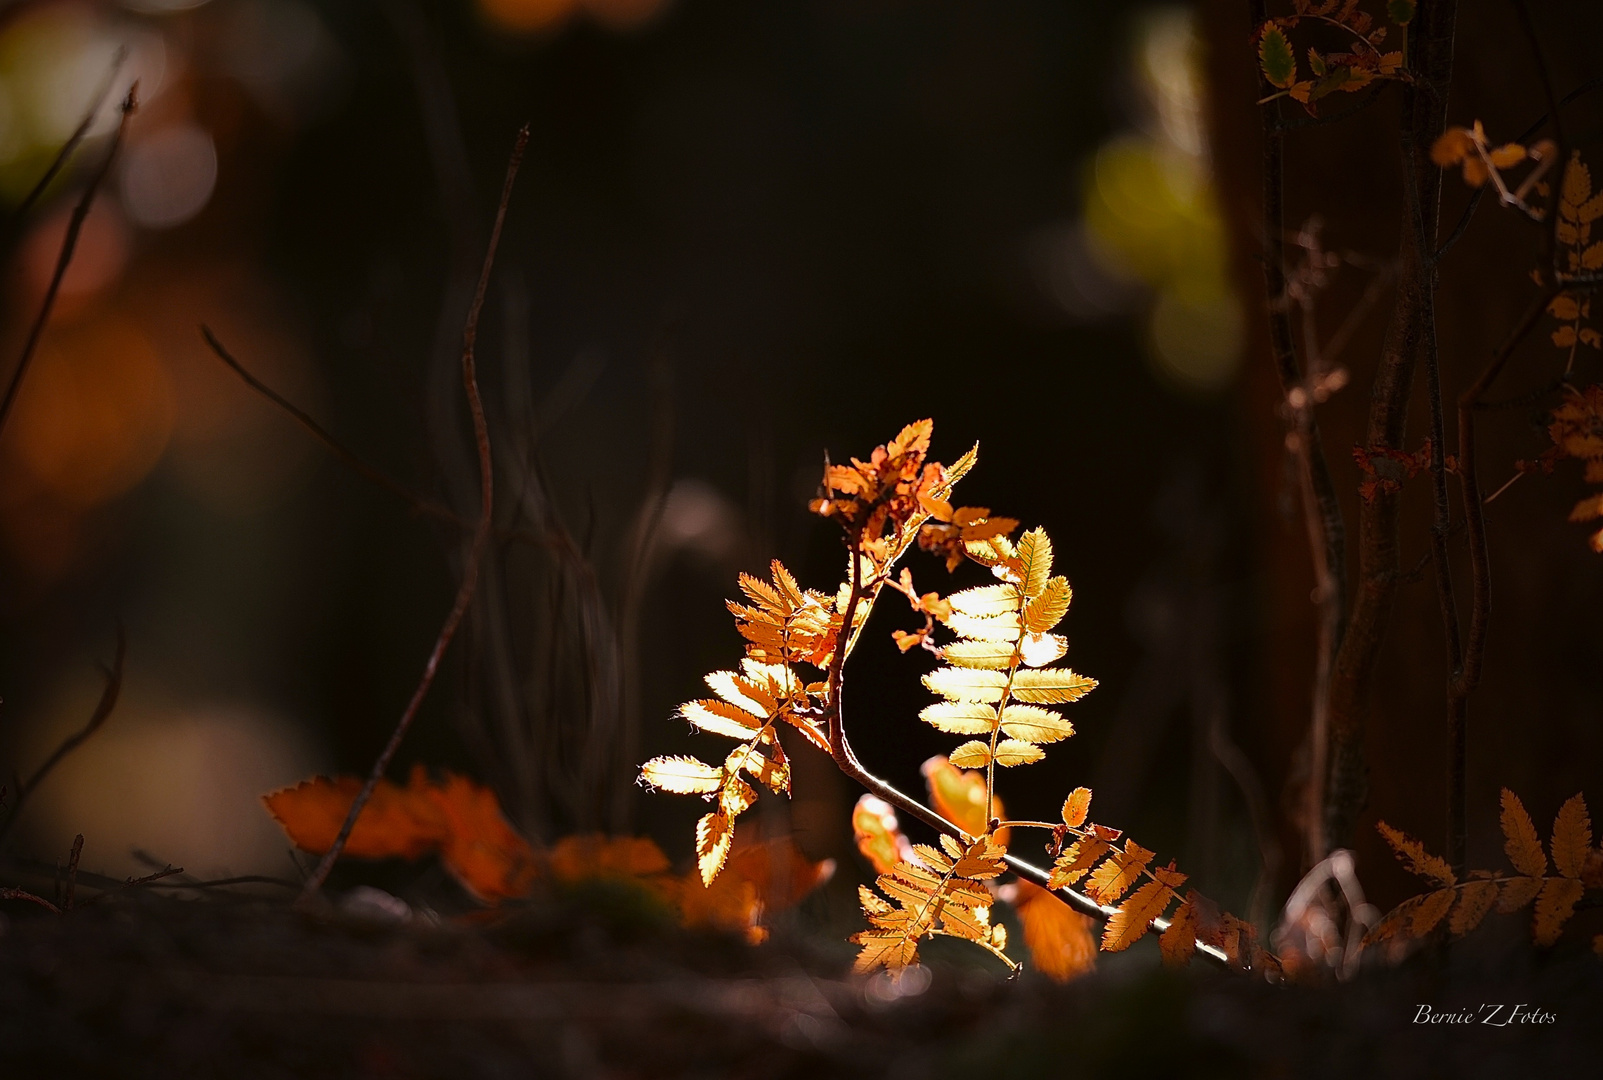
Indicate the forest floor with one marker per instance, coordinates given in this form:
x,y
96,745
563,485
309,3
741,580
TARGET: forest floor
x,y
592,984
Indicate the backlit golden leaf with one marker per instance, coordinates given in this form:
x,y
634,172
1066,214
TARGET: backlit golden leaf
x,y
965,684
765,762
1113,878
1039,650
714,834
972,755
681,775
959,796
878,834
992,655
1035,562
1051,686
1475,900
1033,724
720,718
1432,909
1000,628
1047,609
986,601
1011,752
1554,906
1412,854
1076,807
733,689
960,717
1059,938
1135,915
972,924
1572,837
1179,941
1077,861
1521,843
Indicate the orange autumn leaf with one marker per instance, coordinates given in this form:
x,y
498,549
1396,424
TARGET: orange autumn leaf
x,y
458,818
593,855
958,795
1059,938
759,878
879,835
395,824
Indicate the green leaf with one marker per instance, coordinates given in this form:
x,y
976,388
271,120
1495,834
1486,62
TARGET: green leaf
x,y
1279,63
1400,11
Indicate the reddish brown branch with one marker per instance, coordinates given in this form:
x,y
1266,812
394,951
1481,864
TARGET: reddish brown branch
x,y
7,893
470,571
103,711
69,244
1410,335
72,870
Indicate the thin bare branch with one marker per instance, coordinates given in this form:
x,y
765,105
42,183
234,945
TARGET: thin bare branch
x,y
7,893
73,140
103,710
69,244
481,535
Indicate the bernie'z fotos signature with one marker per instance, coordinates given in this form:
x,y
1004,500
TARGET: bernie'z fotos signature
x,y
1488,1013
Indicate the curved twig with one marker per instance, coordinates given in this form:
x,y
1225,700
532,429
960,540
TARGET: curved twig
x,y
470,571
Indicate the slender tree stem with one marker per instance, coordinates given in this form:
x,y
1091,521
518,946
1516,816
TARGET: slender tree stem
x,y
470,571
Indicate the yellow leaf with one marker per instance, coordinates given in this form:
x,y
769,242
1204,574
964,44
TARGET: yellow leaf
x,y
958,796
1048,608
1412,854
733,689
1452,146
986,601
1039,650
1521,843
1035,562
990,655
1058,937
1577,187
960,717
1033,724
1565,307
1432,908
1517,892
1475,900
1051,686
1003,628
1076,807
1074,863
878,834
1114,877
714,834
1572,837
1011,752
1554,907
964,684
972,755
1507,156
972,924
682,775
1135,915
1179,941
720,718
771,769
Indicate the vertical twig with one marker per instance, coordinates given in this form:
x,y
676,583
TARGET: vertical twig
x,y
470,571
103,710
1327,534
69,244
1410,335
72,870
